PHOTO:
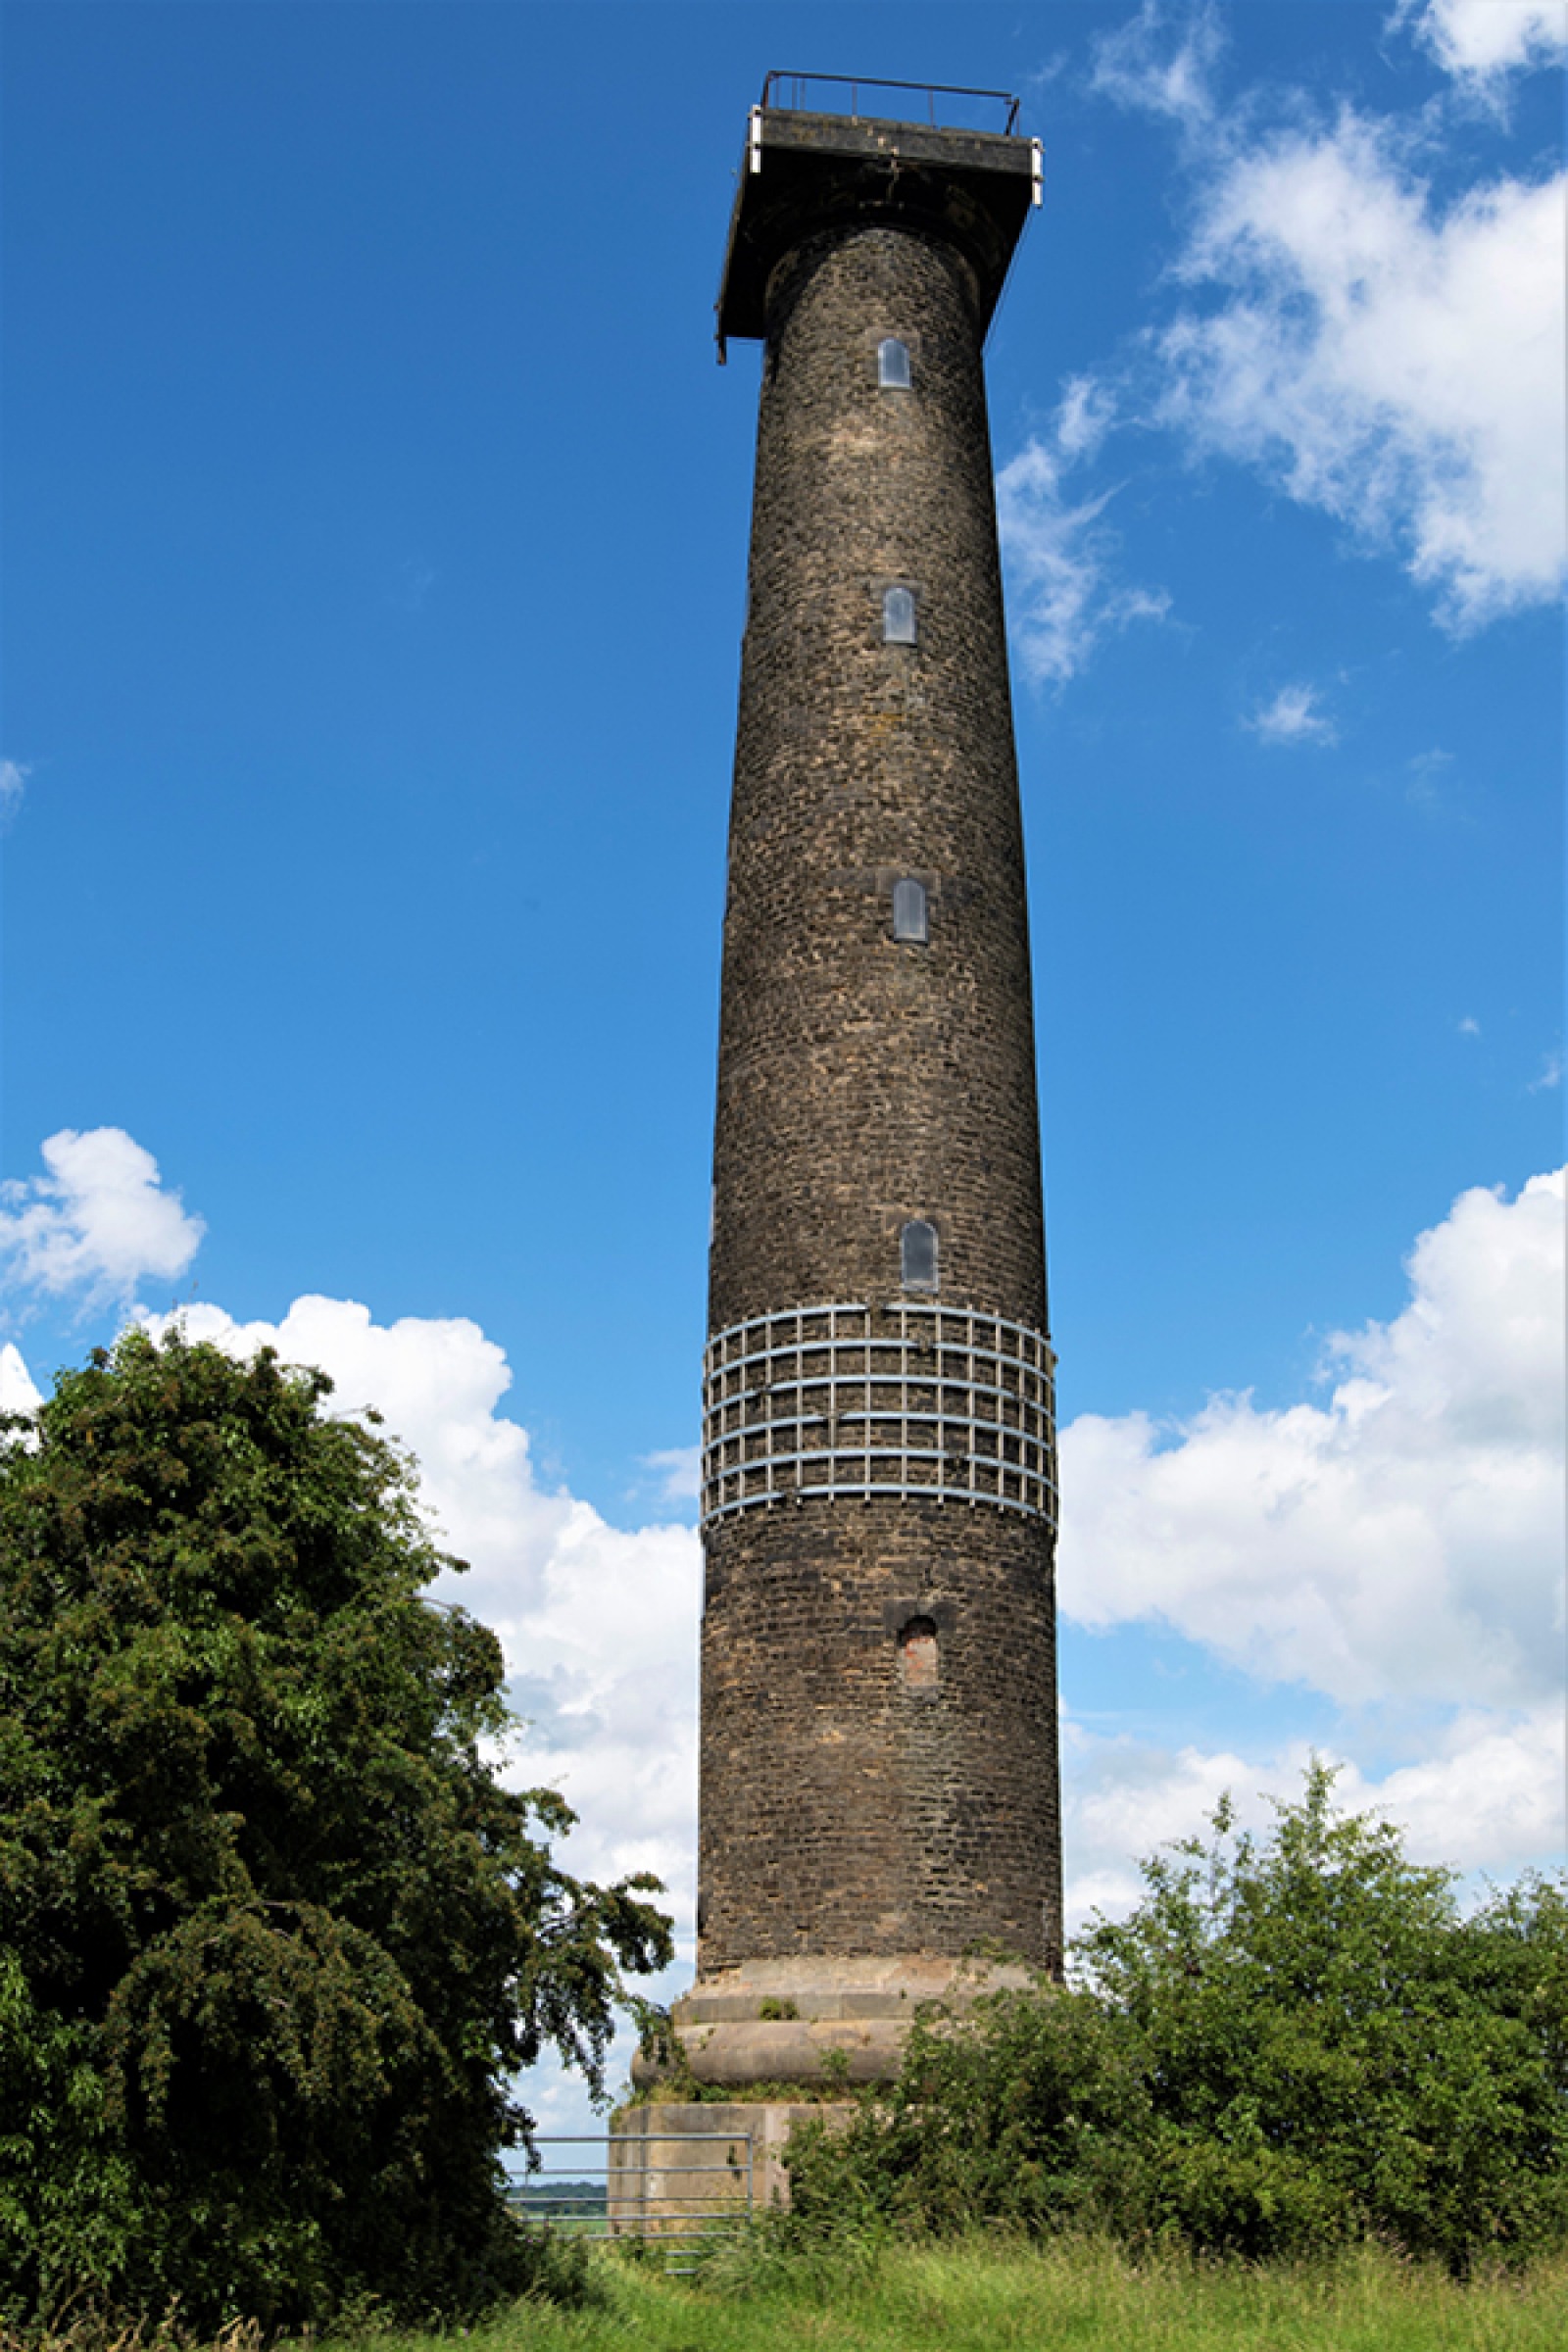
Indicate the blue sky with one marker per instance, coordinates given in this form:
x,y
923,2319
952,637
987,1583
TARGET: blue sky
x,y
375,533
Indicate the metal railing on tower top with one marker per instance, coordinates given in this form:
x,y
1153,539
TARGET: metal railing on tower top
x,y
797,92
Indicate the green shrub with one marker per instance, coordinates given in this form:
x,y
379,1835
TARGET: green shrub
x,y
1290,2043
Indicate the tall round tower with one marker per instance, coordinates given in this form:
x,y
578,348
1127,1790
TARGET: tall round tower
x,y
879,1786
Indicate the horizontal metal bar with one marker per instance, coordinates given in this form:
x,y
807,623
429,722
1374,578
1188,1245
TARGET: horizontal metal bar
x,y
1026,1507
863,1416
601,2139
920,1310
861,81
870,1448
1032,1485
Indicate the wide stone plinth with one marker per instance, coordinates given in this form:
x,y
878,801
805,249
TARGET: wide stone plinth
x,y
679,2167
813,2021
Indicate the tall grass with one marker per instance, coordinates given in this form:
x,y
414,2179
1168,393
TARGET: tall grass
x,y
975,2297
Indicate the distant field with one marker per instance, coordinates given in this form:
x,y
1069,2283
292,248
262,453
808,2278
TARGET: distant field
x,y
1064,2299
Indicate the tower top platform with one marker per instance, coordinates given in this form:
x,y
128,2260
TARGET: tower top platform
x,y
806,172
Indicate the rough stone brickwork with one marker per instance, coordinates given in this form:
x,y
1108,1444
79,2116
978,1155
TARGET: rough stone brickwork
x,y
863,1081
854,1803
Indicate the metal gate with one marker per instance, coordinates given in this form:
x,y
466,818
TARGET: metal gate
x,y
670,2196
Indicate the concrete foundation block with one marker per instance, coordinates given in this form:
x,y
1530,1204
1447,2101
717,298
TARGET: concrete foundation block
x,y
676,2165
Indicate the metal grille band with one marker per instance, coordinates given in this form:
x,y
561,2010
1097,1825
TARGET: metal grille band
x,y
937,1401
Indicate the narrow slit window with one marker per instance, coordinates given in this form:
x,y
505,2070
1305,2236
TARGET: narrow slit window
x,y
898,616
911,918
917,1256
919,1662
893,364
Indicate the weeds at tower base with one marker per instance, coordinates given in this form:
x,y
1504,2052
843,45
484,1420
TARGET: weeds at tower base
x,y
1295,2045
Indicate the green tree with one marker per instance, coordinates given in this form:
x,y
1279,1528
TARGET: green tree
x,y
1293,2041
275,1940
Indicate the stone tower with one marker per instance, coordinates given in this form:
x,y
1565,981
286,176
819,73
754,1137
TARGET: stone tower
x,y
879,1787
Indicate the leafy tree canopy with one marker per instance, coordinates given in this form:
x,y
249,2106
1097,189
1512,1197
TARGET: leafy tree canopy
x,y
275,1939
1292,2042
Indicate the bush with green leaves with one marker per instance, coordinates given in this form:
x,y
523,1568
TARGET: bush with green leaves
x,y
1293,2042
275,1939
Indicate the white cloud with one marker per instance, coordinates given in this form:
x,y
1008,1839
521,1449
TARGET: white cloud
x,y
98,1223
17,1391
1479,41
1550,1074
1058,552
1405,1538
599,1624
1490,1799
1393,361
1085,416
1487,1797
1469,1026
12,784
1162,61
1292,716
680,1472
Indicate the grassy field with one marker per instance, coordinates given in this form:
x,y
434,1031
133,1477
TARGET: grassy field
x,y
1081,2299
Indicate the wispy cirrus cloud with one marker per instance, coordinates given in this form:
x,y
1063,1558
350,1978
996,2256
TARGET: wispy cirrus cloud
x,y
1061,554
1392,359
1162,62
1292,716
679,1471
1386,354
13,786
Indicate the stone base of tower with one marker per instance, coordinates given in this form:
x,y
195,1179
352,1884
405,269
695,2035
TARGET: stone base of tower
x,y
816,2023
679,2167
784,2037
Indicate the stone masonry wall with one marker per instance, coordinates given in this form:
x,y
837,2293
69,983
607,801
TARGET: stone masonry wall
x,y
850,1802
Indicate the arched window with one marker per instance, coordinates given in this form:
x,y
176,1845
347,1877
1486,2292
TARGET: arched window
x,y
920,1664
893,364
917,1256
898,616
909,916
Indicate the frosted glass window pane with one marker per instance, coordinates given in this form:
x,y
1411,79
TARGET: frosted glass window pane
x,y
898,616
893,364
917,1253
909,920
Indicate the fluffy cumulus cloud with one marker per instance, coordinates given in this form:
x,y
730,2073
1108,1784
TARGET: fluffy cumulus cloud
x,y
1485,1795
19,1392
1403,1536
97,1223
1059,553
1294,715
1481,41
1397,1544
599,1624
1390,360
